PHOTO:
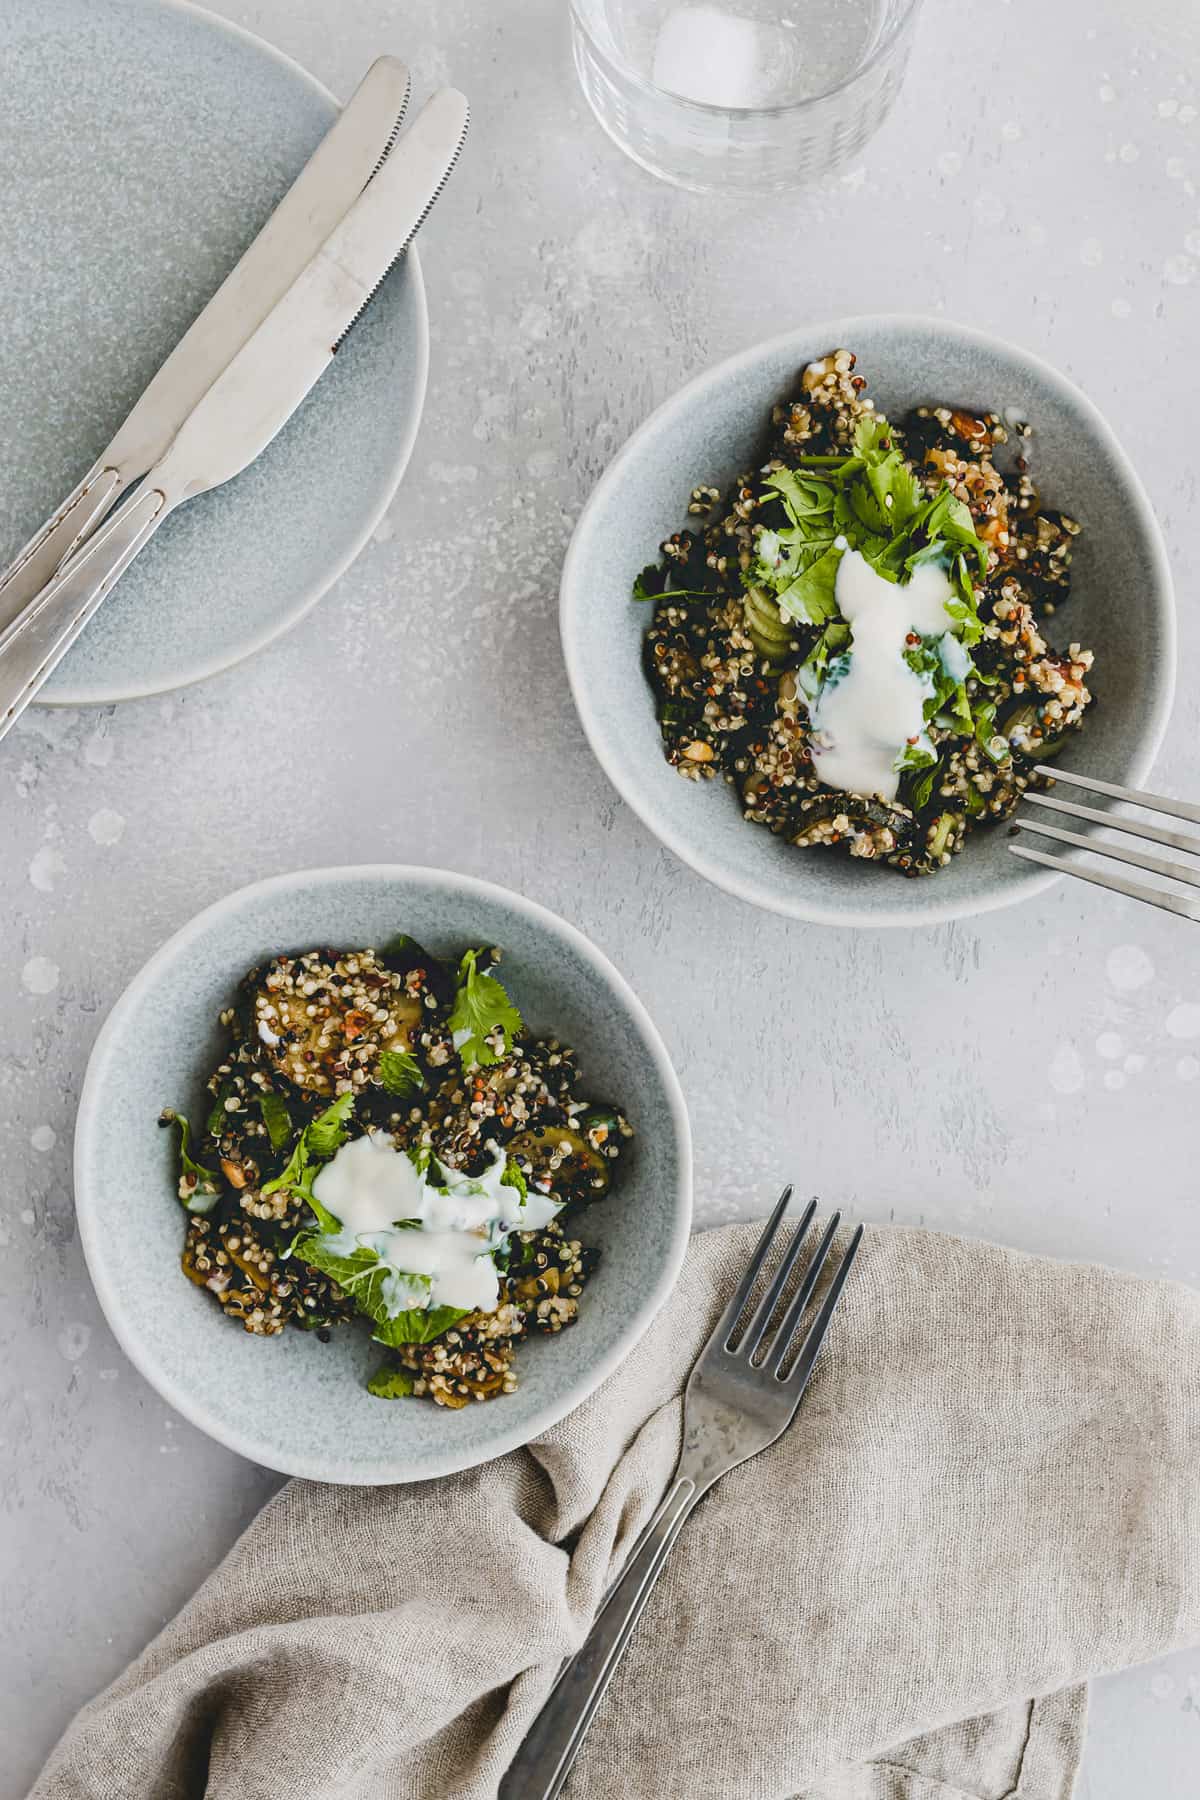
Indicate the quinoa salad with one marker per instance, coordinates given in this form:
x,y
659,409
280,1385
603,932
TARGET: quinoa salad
x,y
385,1140
854,638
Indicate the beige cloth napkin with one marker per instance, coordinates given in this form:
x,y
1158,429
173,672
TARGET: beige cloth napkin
x,y
990,1493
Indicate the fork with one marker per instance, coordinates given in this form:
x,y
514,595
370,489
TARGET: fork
x,y
740,1397
1111,821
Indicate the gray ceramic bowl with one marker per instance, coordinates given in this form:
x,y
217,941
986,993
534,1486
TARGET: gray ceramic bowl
x,y
290,1402
143,144
714,429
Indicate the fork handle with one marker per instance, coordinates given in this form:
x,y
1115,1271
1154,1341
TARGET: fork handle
x,y
48,548
545,1758
41,635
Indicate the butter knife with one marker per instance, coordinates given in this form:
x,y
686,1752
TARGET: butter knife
x,y
252,398
339,168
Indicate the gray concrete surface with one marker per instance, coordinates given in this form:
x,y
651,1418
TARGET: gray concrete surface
x,y
1032,1078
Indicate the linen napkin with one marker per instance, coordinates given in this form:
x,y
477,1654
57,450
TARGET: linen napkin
x,y
990,1493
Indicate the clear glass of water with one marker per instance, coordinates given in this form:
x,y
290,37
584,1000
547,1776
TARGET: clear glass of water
x,y
741,96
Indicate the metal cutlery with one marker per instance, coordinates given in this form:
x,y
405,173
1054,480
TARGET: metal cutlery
x,y
741,1396
1145,829
348,155
251,397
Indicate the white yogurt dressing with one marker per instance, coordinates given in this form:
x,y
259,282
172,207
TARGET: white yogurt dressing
x,y
863,719
369,1186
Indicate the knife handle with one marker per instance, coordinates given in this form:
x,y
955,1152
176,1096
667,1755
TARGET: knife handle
x,y
49,548
37,640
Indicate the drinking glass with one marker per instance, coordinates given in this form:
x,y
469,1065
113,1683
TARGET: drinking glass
x,y
751,97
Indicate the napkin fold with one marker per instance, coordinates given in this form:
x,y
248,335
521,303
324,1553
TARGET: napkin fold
x,y
990,1494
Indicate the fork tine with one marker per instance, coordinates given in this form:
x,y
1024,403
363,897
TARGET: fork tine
x,y
1139,828
729,1318
1117,884
797,1381
1178,809
800,1299
1136,859
761,1316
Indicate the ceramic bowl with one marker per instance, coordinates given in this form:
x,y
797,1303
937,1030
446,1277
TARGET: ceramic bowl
x,y
143,144
1122,605
291,1402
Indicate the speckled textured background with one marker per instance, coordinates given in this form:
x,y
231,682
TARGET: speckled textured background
x,y
1031,1078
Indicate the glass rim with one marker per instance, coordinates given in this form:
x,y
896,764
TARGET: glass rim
x,y
886,41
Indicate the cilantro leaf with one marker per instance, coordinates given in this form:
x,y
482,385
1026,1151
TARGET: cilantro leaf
x,y
276,1118
644,587
417,1327
199,1188
400,1073
330,1129
513,1177
811,596
316,1144
377,1289
390,1383
481,1007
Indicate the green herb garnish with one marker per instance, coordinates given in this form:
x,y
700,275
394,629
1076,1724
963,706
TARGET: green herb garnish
x,y
390,1383
277,1119
481,1007
316,1144
199,1188
399,1073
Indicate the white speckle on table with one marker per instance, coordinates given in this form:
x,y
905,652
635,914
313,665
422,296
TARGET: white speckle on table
x,y
1162,1686
1192,242
1108,1044
1128,967
1176,168
950,162
43,1137
1066,1071
27,1215
1129,153
1183,1021
1187,1068
40,975
1010,131
106,826
1168,108
543,464
1133,1065
1179,270
98,751
45,867
1107,92
109,1374
1120,308
1091,253
1113,1079
990,209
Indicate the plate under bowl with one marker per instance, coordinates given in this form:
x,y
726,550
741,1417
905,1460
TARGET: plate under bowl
x,y
714,429
291,1402
143,144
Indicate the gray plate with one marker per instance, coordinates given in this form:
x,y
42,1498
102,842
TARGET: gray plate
x,y
293,1403
143,144
1122,605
